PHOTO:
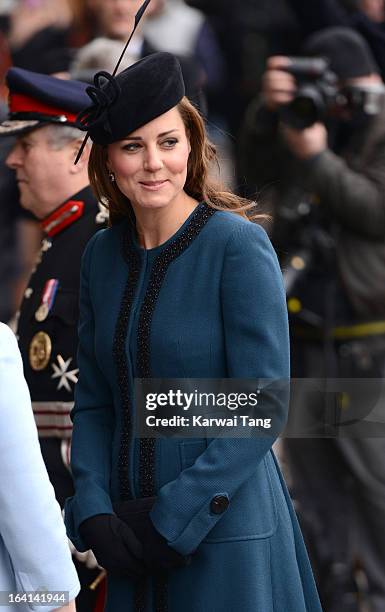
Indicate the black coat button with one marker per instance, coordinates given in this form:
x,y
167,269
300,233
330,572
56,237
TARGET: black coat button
x,y
219,504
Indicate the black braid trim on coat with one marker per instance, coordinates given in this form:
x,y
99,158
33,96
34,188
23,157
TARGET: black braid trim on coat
x,y
120,359
158,273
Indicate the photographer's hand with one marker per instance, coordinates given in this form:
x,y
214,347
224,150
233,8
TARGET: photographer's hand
x,y
278,86
306,143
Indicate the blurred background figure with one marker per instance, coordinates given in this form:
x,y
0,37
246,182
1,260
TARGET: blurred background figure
x,y
38,34
113,20
99,54
243,32
365,16
5,56
373,9
177,28
321,168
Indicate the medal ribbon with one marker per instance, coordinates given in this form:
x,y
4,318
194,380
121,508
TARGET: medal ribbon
x,y
49,293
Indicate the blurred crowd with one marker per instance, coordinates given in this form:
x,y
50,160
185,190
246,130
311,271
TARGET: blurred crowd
x,y
229,43
314,161
223,44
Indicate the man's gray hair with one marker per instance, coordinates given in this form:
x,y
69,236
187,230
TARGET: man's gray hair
x,y
100,54
59,136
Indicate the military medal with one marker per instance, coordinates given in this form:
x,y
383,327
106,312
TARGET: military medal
x,y
64,375
42,313
40,351
47,299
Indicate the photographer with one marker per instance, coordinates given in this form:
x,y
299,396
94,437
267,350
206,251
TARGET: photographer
x,y
318,165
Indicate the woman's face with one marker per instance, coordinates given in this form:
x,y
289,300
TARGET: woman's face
x,y
150,165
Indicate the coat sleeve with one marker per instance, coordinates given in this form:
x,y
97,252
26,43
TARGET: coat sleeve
x,y
256,336
355,199
92,422
31,525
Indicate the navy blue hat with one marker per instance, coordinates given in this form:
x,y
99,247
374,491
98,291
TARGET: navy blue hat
x,y
38,99
138,94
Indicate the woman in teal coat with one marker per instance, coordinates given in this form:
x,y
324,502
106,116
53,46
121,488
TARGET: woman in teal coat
x,y
181,285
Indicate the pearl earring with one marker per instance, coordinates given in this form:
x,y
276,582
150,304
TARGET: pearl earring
x,y
111,176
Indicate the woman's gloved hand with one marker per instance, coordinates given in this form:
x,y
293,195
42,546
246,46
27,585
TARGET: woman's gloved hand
x,y
158,555
114,545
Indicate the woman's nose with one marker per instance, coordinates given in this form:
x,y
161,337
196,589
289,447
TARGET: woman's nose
x,y
153,160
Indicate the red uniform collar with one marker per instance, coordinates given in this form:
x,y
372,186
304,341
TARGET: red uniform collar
x,y
62,217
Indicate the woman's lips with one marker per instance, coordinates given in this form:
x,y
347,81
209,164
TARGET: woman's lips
x,y
153,185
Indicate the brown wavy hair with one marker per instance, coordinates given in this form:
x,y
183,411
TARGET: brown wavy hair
x,y
199,185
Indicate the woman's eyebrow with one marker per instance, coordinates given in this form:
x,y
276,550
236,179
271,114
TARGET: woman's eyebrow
x,y
159,135
167,133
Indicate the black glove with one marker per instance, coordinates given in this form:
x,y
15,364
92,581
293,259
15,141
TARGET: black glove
x,y
114,545
158,555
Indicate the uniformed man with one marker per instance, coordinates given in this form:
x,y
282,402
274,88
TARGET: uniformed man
x,y
42,112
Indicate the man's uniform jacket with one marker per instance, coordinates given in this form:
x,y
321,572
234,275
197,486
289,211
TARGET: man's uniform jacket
x,y
50,364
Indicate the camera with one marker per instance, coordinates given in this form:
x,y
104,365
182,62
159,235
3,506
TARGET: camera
x,y
317,94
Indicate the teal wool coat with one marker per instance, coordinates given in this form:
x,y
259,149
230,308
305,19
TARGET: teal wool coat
x,y
208,303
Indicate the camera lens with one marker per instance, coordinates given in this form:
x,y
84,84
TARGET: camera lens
x,y
307,108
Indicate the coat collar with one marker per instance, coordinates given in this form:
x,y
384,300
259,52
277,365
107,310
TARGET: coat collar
x,y
200,211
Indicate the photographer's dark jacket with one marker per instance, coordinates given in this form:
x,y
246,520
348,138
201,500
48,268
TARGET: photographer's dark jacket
x,y
347,194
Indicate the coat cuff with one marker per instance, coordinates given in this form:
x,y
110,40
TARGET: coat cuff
x,y
196,529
